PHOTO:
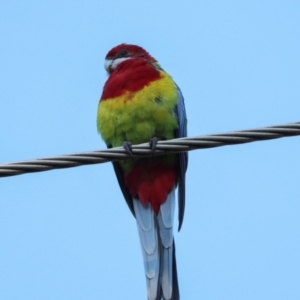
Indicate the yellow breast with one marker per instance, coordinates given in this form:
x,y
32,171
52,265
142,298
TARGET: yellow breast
x,y
138,116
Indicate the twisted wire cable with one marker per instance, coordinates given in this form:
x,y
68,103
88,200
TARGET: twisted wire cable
x,y
143,150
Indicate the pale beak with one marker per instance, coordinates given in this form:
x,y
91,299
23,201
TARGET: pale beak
x,y
107,65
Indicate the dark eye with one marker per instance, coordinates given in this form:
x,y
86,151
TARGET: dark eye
x,y
123,53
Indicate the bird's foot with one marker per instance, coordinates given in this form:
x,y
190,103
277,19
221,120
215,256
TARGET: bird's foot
x,y
128,148
153,142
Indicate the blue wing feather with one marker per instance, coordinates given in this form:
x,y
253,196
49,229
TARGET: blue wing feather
x,y
181,131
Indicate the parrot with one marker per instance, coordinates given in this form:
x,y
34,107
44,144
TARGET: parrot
x,y
141,103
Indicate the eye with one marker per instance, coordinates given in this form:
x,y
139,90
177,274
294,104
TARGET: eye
x,y
123,53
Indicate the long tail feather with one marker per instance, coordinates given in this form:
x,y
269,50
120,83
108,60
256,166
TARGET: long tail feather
x,y
165,220
158,248
149,243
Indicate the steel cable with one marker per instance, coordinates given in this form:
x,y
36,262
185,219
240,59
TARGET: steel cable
x,y
143,150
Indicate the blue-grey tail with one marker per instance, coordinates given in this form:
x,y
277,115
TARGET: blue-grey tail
x,y
175,287
158,248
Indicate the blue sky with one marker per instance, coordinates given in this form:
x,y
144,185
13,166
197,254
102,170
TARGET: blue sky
x,y
68,234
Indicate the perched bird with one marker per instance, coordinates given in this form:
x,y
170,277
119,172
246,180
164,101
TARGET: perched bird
x,y
141,103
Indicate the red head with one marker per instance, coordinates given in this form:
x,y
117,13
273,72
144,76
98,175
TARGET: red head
x,y
124,52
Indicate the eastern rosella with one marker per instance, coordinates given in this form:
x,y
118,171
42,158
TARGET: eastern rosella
x,y
141,103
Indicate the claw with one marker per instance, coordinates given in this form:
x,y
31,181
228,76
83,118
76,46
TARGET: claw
x,y
153,142
128,148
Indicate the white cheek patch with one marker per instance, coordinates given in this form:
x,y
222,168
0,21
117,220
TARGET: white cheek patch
x,y
110,64
117,61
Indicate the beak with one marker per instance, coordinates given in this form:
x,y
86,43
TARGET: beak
x,y
107,65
